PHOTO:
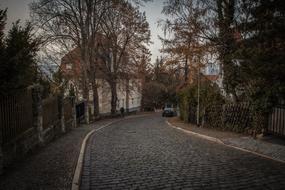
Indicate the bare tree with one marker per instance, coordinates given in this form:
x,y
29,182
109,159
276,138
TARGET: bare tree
x,y
73,22
127,32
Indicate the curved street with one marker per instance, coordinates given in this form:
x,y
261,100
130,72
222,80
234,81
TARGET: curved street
x,y
145,153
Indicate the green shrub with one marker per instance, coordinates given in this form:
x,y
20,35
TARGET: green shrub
x,y
188,99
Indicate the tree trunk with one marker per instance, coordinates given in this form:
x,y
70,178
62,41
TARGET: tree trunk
x,y
142,93
186,69
95,100
113,86
226,21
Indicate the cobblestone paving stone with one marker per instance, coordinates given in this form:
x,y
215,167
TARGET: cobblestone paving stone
x,y
273,150
145,153
50,168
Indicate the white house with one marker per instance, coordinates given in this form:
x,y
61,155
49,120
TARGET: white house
x,y
128,97
128,91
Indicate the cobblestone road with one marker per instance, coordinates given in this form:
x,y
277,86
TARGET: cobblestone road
x,y
145,153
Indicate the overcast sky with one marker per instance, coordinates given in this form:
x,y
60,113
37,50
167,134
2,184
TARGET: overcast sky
x,y
18,9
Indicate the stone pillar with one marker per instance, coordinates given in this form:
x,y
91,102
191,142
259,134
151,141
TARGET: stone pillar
x,y
38,111
61,112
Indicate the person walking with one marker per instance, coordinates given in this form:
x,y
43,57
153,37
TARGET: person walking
x,y
122,110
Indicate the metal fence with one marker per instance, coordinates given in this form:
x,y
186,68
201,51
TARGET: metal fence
x,y
80,107
50,112
276,123
16,115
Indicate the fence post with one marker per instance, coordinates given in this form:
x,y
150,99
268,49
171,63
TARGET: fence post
x,y
264,123
61,112
38,111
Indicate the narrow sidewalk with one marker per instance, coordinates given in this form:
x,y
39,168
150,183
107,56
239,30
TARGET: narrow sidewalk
x,y
270,147
51,167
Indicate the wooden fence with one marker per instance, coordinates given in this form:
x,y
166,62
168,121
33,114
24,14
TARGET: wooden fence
x,y
16,115
213,117
239,118
276,123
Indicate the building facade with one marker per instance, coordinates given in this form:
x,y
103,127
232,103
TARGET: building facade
x,y
128,90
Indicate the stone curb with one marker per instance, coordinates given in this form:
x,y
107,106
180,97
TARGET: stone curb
x,y
196,134
216,140
79,165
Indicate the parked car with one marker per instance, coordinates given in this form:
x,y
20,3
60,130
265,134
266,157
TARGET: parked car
x,y
168,112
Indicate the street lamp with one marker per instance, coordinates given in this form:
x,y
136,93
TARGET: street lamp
x,y
198,95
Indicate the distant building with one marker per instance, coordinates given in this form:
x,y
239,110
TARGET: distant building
x,y
214,74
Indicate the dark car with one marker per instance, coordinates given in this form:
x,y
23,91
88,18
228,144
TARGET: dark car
x,y
168,112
